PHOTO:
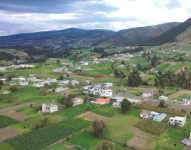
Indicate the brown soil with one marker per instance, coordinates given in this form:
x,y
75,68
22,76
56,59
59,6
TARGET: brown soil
x,y
80,76
177,94
175,107
16,107
181,69
16,115
139,139
7,132
100,76
91,116
173,63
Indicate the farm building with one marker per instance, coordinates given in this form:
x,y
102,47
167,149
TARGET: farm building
x,y
145,114
60,89
186,141
19,78
159,117
33,79
101,92
49,80
186,101
24,83
39,84
74,82
180,121
108,84
50,108
102,101
162,97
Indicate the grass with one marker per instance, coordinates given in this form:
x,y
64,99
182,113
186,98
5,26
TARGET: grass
x,y
6,146
173,136
30,111
86,140
6,120
120,124
185,96
59,146
106,111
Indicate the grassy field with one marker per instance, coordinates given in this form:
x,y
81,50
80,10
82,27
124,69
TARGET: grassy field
x,y
6,120
106,111
120,124
185,96
6,146
60,146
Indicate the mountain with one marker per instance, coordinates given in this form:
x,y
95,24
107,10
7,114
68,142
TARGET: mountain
x,y
81,38
138,35
178,34
51,40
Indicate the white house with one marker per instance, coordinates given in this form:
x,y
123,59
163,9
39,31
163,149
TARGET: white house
x,y
101,92
60,89
49,80
34,79
108,84
162,97
187,141
49,108
58,70
74,82
24,83
180,121
19,78
39,84
87,87
3,69
64,82
186,101
148,94
85,64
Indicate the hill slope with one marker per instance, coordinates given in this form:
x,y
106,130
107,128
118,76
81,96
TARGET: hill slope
x,y
177,34
138,35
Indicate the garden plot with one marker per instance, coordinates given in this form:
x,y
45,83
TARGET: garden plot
x,y
139,139
16,115
7,133
91,116
16,107
177,94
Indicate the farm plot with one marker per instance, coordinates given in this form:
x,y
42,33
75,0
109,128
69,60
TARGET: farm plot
x,y
106,111
7,133
16,107
177,94
6,146
37,140
91,116
6,120
16,115
59,146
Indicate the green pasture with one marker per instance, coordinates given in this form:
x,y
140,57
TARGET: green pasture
x,y
6,120
106,111
6,146
59,146
185,96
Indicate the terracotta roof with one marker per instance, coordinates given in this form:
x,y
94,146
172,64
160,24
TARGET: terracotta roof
x,y
102,100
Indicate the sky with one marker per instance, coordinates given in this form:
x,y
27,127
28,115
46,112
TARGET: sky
x,y
25,16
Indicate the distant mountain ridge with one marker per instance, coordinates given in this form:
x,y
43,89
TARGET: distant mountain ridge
x,y
72,38
179,34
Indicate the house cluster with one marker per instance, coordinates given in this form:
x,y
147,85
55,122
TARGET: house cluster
x,y
179,121
20,66
97,90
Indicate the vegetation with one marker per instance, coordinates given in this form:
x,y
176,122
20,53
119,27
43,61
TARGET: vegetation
x,y
106,146
5,121
125,106
162,104
100,128
154,127
134,79
160,110
13,89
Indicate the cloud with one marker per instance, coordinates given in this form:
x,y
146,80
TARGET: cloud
x,y
18,16
173,4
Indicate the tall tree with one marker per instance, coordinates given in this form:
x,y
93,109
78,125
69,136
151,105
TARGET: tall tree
x,y
125,106
106,146
100,128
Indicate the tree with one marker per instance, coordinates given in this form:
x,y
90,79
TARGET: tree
x,y
161,104
106,146
1,83
58,62
67,101
125,106
0,87
122,62
100,128
61,77
134,79
13,88
87,98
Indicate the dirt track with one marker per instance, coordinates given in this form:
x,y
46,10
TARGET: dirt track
x,y
91,116
3,110
177,94
7,132
80,76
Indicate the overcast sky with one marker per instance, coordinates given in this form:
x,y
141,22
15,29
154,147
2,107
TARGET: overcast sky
x,y
22,16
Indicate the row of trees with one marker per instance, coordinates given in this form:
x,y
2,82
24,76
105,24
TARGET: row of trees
x,y
170,79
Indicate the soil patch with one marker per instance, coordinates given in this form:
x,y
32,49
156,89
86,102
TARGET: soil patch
x,y
16,115
173,63
7,133
139,139
80,76
91,116
100,76
16,107
177,94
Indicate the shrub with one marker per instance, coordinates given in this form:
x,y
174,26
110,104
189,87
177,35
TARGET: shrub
x,y
13,89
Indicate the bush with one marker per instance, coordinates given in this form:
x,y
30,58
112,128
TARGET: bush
x,y
13,89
